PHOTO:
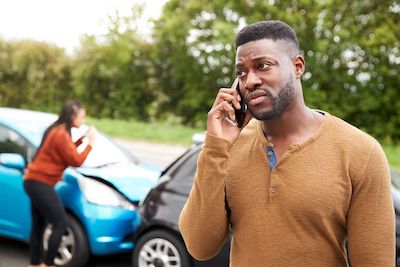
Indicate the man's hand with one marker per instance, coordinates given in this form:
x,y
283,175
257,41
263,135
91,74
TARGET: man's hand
x,y
221,118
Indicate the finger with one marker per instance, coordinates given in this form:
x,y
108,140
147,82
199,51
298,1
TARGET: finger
x,y
234,87
228,98
232,92
229,111
222,110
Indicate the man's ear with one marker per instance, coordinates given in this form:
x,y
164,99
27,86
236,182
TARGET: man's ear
x,y
299,65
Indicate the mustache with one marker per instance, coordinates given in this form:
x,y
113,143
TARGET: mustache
x,y
259,91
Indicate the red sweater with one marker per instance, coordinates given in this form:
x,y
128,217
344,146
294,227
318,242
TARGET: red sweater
x,y
56,154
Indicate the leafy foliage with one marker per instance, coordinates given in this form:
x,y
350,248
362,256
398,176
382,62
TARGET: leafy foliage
x,y
351,50
112,74
33,74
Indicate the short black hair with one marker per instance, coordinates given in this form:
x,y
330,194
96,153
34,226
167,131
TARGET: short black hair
x,y
269,29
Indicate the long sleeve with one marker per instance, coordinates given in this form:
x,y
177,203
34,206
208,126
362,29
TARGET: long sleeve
x,y
57,153
371,219
67,150
79,141
204,219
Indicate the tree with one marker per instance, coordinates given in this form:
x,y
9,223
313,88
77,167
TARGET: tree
x,y
351,50
194,55
112,73
34,75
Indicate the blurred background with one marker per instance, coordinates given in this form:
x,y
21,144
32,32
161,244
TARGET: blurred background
x,y
150,70
153,64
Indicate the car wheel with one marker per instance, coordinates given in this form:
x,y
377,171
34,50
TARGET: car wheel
x,y
73,250
160,248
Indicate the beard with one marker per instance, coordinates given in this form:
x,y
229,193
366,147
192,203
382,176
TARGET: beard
x,y
279,103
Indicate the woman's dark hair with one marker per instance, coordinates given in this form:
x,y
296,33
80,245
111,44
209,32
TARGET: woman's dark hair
x,y
69,110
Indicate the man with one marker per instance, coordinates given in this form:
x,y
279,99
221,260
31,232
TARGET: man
x,y
293,184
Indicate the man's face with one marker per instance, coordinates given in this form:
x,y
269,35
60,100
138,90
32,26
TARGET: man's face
x,y
266,75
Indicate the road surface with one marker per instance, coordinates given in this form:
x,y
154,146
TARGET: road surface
x,y
159,155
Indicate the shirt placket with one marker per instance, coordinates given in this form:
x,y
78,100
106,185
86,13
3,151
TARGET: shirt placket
x,y
272,162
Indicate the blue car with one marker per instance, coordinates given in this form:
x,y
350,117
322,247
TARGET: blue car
x,y
100,197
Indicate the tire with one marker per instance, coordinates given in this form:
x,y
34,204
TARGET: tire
x,y
160,248
73,250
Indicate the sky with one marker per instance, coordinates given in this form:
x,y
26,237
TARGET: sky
x,y
63,22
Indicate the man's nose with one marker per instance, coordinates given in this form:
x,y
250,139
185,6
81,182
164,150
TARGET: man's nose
x,y
252,81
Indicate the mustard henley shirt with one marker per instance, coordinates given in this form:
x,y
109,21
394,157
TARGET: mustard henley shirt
x,y
333,187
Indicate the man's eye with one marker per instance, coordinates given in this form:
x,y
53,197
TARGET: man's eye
x,y
264,66
240,73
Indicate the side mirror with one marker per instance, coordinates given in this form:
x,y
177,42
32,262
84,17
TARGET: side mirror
x,y
12,160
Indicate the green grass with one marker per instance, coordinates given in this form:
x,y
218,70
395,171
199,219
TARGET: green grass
x,y
161,132
393,155
157,132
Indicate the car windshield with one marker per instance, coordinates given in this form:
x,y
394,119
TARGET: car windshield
x,y
104,152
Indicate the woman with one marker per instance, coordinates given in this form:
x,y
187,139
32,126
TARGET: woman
x,y
56,152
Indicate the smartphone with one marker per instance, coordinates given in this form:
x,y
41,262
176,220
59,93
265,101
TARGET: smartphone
x,y
240,114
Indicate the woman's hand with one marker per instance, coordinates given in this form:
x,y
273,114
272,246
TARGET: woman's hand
x,y
91,134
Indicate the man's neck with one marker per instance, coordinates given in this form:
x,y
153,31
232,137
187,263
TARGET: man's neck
x,y
292,125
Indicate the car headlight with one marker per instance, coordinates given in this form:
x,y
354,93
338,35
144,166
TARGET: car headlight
x,y
101,194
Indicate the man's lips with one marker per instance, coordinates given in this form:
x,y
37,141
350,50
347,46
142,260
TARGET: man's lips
x,y
255,97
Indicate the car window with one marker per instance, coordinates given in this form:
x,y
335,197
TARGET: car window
x,y
12,142
182,175
395,178
395,175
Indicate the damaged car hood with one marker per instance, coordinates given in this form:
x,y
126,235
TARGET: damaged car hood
x,y
132,180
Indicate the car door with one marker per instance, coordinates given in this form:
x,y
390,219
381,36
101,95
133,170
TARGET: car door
x,y
181,184
15,219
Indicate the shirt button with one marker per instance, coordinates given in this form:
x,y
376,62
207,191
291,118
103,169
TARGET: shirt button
x,y
270,153
274,189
